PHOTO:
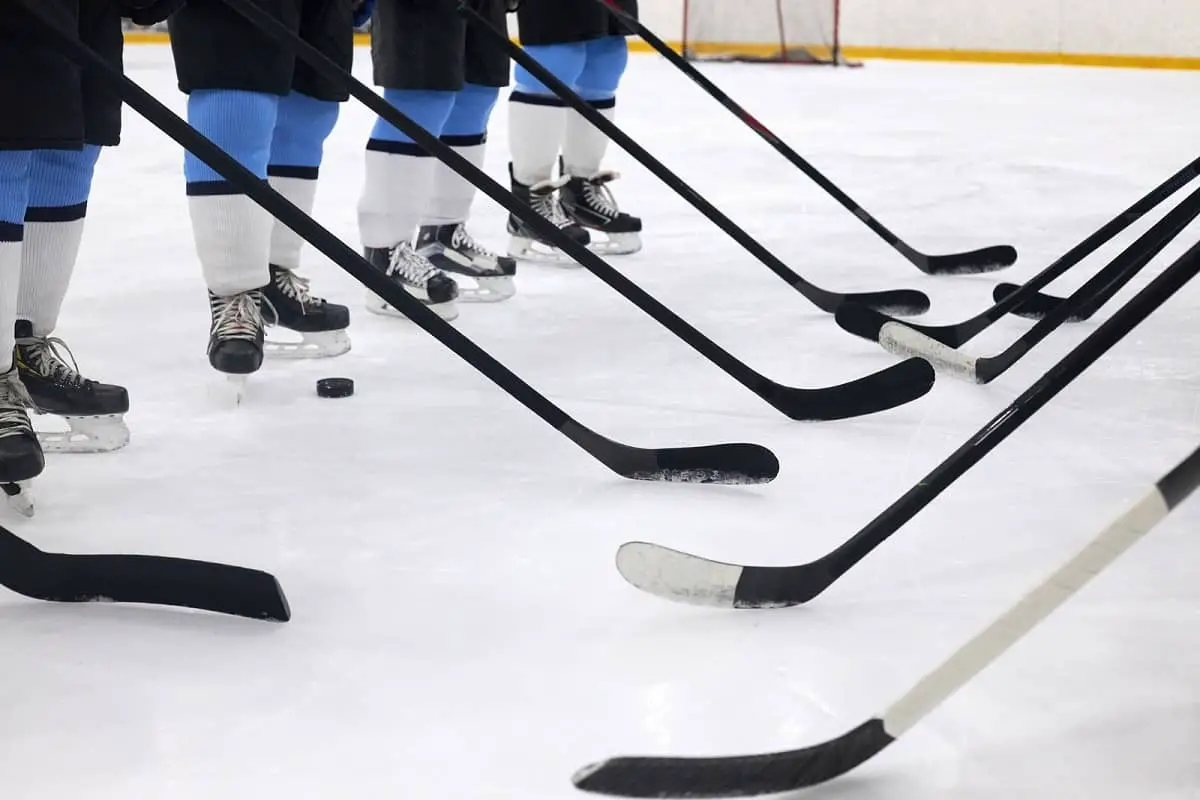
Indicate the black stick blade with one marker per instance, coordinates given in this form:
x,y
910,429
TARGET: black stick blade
x,y
151,580
735,776
897,302
1034,307
863,322
975,262
898,384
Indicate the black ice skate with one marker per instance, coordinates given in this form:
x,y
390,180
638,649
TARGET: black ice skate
x,y
321,324
21,458
588,201
413,273
453,249
94,411
524,243
235,340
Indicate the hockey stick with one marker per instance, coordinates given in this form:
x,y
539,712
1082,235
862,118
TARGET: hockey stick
x,y
898,339
770,773
691,579
725,463
987,259
867,324
876,392
902,302
152,580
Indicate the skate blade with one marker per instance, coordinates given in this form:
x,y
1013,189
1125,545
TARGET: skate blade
x,y
322,344
91,434
238,387
487,290
20,497
525,249
617,244
377,305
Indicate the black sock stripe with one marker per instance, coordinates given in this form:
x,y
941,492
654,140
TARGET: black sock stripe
x,y
610,102
287,171
465,139
396,148
535,99
56,213
213,188
11,231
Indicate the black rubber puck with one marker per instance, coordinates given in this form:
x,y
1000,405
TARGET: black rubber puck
x,y
335,387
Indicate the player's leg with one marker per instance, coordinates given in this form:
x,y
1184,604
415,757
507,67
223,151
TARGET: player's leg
x,y
305,118
418,60
234,76
60,185
444,238
586,197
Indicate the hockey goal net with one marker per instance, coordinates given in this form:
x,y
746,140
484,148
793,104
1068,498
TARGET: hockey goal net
x,y
771,31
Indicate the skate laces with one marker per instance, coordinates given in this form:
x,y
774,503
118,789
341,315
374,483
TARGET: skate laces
x,y
544,201
44,356
14,399
597,194
412,267
239,316
295,287
463,239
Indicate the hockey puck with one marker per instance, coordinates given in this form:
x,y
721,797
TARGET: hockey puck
x,y
335,387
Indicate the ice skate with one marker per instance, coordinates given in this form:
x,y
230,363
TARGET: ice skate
x,y
321,324
235,340
412,272
94,411
524,243
452,249
588,201
21,458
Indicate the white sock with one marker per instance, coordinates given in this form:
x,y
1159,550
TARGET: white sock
x,y
584,145
450,202
286,244
233,241
10,285
47,261
534,135
395,194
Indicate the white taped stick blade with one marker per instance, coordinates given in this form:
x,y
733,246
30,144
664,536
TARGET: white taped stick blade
x,y
901,340
681,577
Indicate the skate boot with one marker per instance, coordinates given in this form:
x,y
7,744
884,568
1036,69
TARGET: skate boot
x,y
321,324
589,202
94,411
524,243
21,458
413,273
235,340
453,249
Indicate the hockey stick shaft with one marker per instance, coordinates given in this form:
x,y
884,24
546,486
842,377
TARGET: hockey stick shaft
x,y
920,260
619,458
1011,626
822,298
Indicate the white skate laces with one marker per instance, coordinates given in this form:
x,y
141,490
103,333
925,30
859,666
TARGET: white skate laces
x,y
238,316
597,194
14,400
43,354
295,287
543,199
410,266
463,240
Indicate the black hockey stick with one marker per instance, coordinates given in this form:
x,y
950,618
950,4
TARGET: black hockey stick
x,y
691,579
987,259
901,302
897,338
771,773
877,392
152,580
725,463
867,323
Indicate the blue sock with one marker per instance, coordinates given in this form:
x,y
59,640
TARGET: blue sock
x,y
241,124
14,192
60,184
428,109
565,61
301,128
466,132
606,61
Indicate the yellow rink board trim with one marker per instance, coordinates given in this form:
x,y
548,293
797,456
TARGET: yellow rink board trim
x,y
884,53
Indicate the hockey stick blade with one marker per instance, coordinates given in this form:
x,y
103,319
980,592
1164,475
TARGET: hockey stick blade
x,y
789,770
958,334
900,303
686,578
899,384
721,463
149,580
988,259
975,262
690,461
1035,307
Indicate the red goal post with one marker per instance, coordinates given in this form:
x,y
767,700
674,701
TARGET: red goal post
x,y
766,31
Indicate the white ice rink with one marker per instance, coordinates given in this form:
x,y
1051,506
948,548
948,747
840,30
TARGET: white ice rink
x,y
460,632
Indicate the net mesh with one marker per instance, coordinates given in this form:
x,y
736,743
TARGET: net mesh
x,y
795,31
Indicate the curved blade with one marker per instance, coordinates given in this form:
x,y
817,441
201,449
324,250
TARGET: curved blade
x,y
898,384
974,262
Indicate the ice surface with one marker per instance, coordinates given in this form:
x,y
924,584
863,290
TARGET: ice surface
x,y
460,631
